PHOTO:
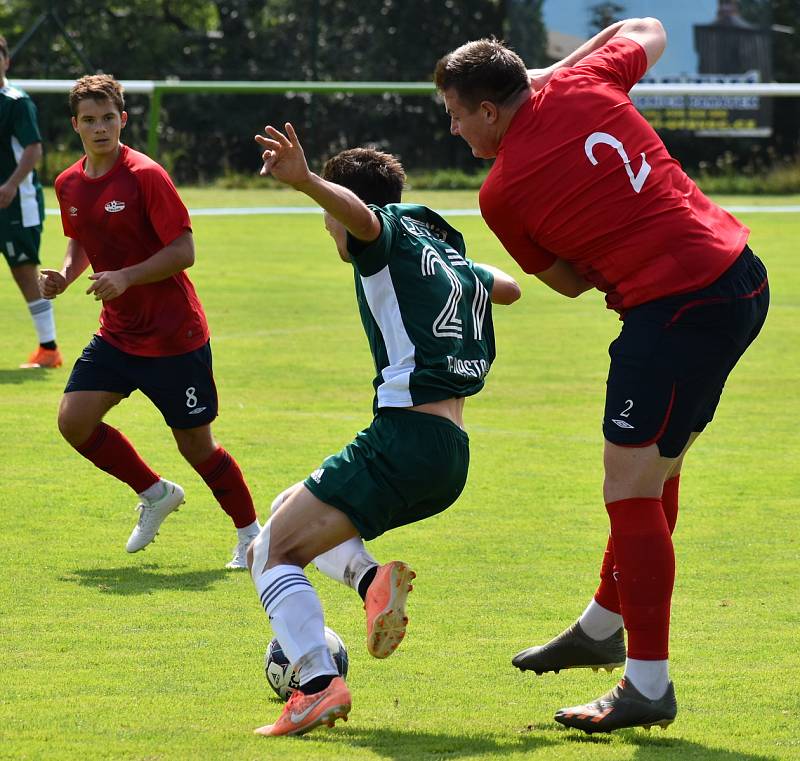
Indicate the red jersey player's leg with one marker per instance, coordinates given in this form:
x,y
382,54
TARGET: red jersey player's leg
x,y
224,477
80,422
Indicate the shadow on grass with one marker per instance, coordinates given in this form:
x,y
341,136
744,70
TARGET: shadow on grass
x,y
143,579
400,745
19,376
652,745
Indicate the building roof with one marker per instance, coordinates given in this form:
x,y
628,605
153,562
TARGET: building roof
x,y
560,44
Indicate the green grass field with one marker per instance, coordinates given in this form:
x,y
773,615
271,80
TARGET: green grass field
x,y
157,656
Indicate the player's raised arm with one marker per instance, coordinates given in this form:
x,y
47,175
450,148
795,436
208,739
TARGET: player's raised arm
x,y
284,159
648,32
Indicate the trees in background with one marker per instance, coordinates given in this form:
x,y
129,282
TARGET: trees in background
x,y
203,136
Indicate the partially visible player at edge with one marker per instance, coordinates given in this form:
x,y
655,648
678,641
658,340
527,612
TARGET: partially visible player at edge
x,y
22,209
426,310
583,194
123,215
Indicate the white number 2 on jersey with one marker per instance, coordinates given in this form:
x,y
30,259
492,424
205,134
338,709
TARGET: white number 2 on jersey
x,y
448,323
637,180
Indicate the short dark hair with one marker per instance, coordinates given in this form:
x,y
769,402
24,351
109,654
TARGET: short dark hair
x,y
3,47
482,70
374,176
96,87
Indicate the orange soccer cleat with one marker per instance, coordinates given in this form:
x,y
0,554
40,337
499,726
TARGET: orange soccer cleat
x,y
386,608
43,358
304,712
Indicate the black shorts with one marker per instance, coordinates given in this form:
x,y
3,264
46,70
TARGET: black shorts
x,y
181,387
673,356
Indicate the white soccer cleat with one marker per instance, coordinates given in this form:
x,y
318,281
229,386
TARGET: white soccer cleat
x,y
239,559
152,515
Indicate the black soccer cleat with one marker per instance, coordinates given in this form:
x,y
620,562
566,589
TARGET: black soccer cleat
x,y
622,708
573,649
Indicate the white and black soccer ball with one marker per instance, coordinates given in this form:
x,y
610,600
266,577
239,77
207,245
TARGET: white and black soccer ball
x,y
281,676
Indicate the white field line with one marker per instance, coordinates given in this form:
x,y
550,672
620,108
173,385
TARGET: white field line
x,y
244,211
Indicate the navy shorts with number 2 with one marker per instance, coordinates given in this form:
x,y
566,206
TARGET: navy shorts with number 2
x,y
181,386
673,356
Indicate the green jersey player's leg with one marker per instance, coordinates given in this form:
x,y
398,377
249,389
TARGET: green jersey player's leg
x,y
426,311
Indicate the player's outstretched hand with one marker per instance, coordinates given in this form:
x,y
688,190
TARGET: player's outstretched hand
x,y
283,156
51,283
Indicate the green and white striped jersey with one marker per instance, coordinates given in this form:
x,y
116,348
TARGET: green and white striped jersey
x,y
18,129
425,307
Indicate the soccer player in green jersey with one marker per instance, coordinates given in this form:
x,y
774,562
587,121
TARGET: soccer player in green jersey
x,y
22,208
426,310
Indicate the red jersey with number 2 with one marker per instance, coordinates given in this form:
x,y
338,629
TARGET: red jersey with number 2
x,y
581,176
121,219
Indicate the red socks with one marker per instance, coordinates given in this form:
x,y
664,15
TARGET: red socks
x,y
227,483
669,501
110,451
645,574
606,594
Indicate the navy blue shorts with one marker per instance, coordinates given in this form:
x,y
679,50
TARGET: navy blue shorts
x,y
181,387
673,356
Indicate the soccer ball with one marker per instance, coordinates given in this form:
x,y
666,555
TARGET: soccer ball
x,y
282,677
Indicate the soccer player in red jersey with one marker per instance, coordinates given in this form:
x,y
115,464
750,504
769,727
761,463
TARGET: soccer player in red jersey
x,y
583,193
123,215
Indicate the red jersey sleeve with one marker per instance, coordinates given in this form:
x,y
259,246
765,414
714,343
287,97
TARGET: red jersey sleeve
x,y
504,221
165,209
66,224
621,61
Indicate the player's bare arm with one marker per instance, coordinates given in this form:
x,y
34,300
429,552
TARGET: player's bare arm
x,y
562,278
54,282
284,159
540,77
505,290
170,260
648,32
28,161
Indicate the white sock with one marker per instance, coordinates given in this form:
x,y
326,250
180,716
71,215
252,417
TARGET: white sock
x,y
154,492
599,622
651,678
347,562
249,532
43,319
296,616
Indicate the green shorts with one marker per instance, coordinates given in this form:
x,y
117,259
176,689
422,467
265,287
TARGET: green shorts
x,y
21,246
405,467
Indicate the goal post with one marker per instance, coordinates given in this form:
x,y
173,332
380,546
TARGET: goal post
x,y
156,89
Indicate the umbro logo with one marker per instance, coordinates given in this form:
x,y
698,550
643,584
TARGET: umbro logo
x,y
197,410
73,212
621,423
114,206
